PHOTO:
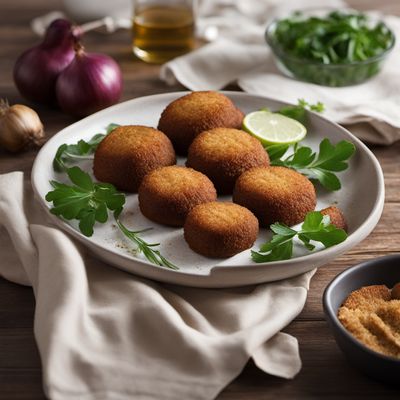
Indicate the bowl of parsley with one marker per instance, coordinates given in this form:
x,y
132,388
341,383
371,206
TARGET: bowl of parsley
x,y
330,47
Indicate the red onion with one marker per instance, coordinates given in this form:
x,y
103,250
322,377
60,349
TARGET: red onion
x,y
37,69
91,82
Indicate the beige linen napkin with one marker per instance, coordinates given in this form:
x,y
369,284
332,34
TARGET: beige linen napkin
x,y
106,334
241,55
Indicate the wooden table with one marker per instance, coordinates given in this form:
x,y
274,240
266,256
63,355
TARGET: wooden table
x,y
325,373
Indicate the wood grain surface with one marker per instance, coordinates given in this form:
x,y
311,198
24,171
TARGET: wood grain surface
x,y
325,373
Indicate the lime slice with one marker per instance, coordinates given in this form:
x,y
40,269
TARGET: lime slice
x,y
271,128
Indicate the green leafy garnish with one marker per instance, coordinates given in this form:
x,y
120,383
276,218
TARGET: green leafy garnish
x,y
316,227
85,200
78,151
338,38
146,248
276,152
339,49
89,202
299,112
320,167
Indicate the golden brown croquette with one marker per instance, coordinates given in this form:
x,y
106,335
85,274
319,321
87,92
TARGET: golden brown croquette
x,y
336,216
220,229
184,118
167,194
275,194
223,154
128,153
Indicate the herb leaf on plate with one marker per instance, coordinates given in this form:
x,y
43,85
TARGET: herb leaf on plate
x,y
299,112
144,247
89,202
79,151
320,167
85,200
316,227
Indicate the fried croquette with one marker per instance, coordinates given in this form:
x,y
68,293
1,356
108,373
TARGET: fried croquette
x,y
223,154
275,194
128,153
184,118
336,216
220,229
167,194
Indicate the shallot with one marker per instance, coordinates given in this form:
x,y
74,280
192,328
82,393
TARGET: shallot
x,y
20,127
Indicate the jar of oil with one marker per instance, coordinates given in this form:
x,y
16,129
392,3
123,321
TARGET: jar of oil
x,y
163,30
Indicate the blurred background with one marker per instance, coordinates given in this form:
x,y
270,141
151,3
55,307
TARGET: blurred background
x,y
21,23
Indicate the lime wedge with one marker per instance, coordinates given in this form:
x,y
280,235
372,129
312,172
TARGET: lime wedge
x,y
271,128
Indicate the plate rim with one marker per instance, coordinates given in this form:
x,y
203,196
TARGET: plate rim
x,y
355,237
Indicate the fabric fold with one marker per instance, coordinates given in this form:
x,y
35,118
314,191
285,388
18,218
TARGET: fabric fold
x,y
105,334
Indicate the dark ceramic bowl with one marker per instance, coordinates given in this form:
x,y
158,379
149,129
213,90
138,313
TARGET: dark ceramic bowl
x,y
379,271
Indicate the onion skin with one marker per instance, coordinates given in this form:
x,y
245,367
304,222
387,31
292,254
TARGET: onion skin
x,y
90,83
37,69
20,127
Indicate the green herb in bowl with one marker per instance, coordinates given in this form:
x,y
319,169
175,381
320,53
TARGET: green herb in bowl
x,y
336,48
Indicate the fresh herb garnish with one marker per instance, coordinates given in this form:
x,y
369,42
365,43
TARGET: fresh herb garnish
x,y
316,227
339,49
276,152
152,255
338,38
89,202
299,111
78,151
85,200
320,167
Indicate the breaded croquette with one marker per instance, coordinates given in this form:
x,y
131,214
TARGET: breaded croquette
x,y
167,194
336,216
220,229
184,118
275,194
128,153
223,154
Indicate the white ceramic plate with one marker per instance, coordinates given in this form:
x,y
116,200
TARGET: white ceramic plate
x,y
361,199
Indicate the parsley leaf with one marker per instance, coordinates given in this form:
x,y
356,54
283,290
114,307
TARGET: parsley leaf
x,y
89,202
276,152
316,227
299,112
85,200
78,151
320,167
